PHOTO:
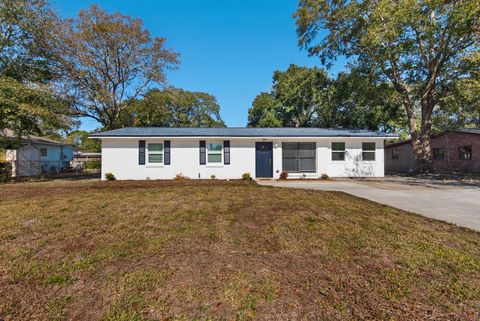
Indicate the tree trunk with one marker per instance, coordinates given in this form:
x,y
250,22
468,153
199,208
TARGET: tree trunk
x,y
421,140
423,158
415,140
426,164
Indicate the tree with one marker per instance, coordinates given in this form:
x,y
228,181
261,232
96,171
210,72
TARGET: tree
x,y
26,110
460,107
265,112
27,105
79,139
303,94
307,97
107,61
419,46
362,100
24,55
299,98
173,107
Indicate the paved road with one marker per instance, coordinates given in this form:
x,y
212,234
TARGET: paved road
x,y
448,201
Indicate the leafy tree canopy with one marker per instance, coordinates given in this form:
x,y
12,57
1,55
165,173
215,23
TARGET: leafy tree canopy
x,y
302,93
265,112
307,97
423,48
27,104
173,107
298,98
107,61
460,107
362,100
26,110
79,139
24,26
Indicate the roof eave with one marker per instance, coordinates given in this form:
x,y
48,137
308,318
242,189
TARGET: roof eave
x,y
243,136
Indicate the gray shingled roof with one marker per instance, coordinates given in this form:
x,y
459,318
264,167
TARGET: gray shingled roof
x,y
9,134
236,132
475,131
469,130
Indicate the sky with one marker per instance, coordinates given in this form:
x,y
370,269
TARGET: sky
x,y
228,49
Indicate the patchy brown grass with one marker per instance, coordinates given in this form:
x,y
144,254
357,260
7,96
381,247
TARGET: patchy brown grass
x,y
191,250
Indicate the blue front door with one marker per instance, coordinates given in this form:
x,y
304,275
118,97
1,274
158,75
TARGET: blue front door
x,y
263,160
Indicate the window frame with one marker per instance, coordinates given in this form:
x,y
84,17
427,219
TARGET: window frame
x,y
338,151
460,153
434,154
298,157
46,152
214,152
148,152
374,152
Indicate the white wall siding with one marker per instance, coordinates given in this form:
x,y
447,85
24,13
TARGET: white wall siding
x,y
120,157
354,166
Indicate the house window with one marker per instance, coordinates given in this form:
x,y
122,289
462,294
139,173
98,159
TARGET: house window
x,y
214,152
44,152
155,153
338,151
298,157
439,154
465,152
368,151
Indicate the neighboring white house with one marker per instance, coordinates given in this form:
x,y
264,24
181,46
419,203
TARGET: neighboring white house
x,y
227,153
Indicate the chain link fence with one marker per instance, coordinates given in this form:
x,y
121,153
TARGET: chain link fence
x,y
37,168
19,171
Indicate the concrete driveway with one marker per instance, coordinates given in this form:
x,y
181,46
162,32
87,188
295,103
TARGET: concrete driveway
x,y
453,202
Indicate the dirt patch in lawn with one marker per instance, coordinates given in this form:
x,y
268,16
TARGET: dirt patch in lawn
x,y
190,249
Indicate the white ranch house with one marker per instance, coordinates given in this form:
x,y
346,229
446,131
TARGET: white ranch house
x,y
227,153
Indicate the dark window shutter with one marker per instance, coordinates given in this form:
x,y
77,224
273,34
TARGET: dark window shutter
x,y
141,152
226,152
203,153
166,151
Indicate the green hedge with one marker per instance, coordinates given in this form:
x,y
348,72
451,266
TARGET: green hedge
x,y
92,165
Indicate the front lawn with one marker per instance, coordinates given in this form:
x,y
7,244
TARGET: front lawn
x,y
86,250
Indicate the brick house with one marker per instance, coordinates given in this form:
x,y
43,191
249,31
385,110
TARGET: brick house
x,y
453,150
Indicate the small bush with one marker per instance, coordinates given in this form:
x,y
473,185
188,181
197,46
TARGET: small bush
x,y
283,175
110,177
180,177
324,176
92,165
5,171
246,176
